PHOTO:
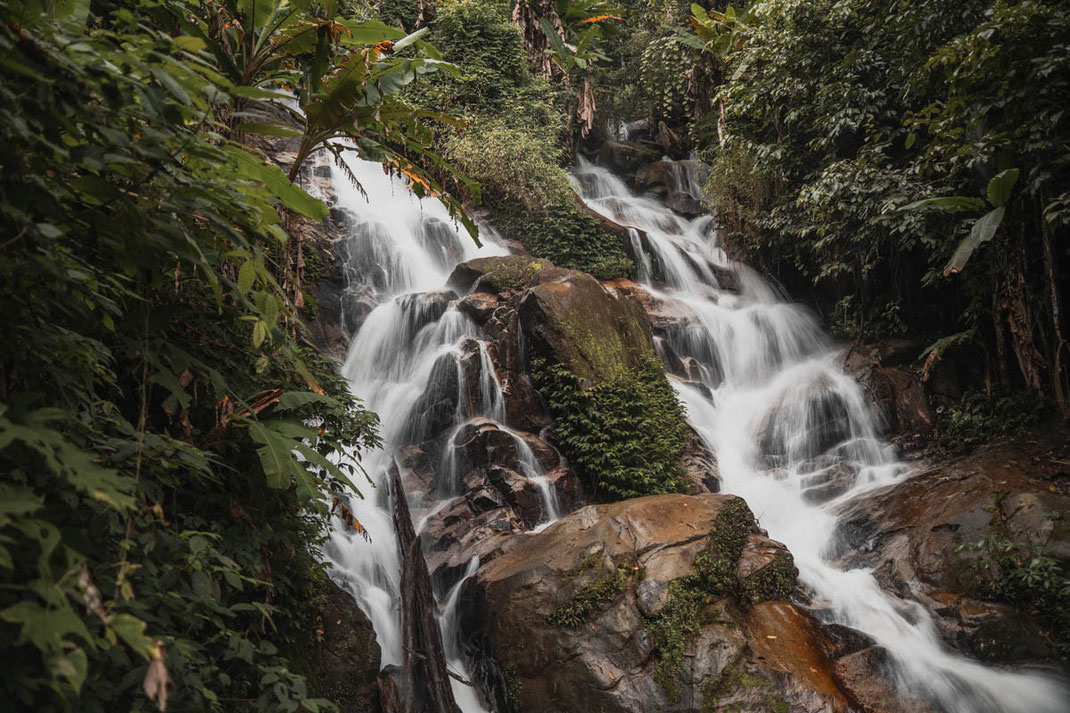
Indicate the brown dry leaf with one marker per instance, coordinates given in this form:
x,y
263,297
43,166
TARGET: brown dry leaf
x,y
157,683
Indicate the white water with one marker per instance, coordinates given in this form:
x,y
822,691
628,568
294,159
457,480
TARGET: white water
x,y
794,437
401,252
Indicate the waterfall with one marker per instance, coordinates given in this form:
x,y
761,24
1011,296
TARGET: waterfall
x,y
794,437
404,362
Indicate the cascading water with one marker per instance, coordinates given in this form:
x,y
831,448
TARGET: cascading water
x,y
401,251
793,437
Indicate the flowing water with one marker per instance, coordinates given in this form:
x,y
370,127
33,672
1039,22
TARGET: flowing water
x,y
400,253
793,436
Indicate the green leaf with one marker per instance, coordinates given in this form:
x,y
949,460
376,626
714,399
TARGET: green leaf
x,y
982,232
45,628
950,204
253,168
72,665
246,276
188,44
274,454
999,188
296,399
257,12
268,130
370,32
131,631
167,379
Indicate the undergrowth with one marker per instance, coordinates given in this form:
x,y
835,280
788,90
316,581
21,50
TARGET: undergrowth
x,y
625,436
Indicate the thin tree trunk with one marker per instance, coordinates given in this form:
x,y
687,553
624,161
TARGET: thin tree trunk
x,y
425,679
1056,320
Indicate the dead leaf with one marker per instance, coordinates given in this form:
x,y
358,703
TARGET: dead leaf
x,y
157,683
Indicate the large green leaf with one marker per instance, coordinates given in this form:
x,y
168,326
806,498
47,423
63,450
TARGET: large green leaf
x,y
294,197
274,454
256,12
982,232
951,204
370,32
999,188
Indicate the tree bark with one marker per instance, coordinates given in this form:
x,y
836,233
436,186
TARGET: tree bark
x,y
425,680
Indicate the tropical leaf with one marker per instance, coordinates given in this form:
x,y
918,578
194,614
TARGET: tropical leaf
x,y
982,232
275,180
999,188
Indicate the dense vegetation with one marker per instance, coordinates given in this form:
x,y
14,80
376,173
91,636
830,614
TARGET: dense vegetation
x,y
902,164
516,140
170,447
624,436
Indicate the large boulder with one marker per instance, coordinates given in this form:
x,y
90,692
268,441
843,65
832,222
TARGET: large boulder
x,y
663,603
919,537
896,391
576,322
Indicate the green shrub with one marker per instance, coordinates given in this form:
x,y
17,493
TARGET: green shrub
x,y
569,238
515,167
1021,573
978,419
625,436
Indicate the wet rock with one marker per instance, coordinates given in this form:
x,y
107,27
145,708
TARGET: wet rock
x,y
625,158
913,535
700,466
348,654
897,393
684,204
576,322
436,409
655,177
499,274
479,306
565,616
660,313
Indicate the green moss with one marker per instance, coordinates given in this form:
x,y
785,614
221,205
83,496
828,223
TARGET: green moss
x,y
594,597
716,565
778,704
775,581
675,630
572,239
512,686
512,277
751,680
720,687
625,436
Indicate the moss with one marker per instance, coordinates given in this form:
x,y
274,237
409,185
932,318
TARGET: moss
x,y
569,238
716,565
675,630
750,680
625,436
512,687
772,582
512,277
720,687
778,704
594,597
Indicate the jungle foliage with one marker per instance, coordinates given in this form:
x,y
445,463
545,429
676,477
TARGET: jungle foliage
x,y
625,436
517,136
170,447
872,149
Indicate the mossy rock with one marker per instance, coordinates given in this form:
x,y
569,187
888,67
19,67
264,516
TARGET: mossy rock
x,y
577,323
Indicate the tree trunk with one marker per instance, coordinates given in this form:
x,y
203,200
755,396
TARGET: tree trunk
x,y
425,680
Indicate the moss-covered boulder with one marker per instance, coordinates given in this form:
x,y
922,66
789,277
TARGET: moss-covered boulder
x,y
645,605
